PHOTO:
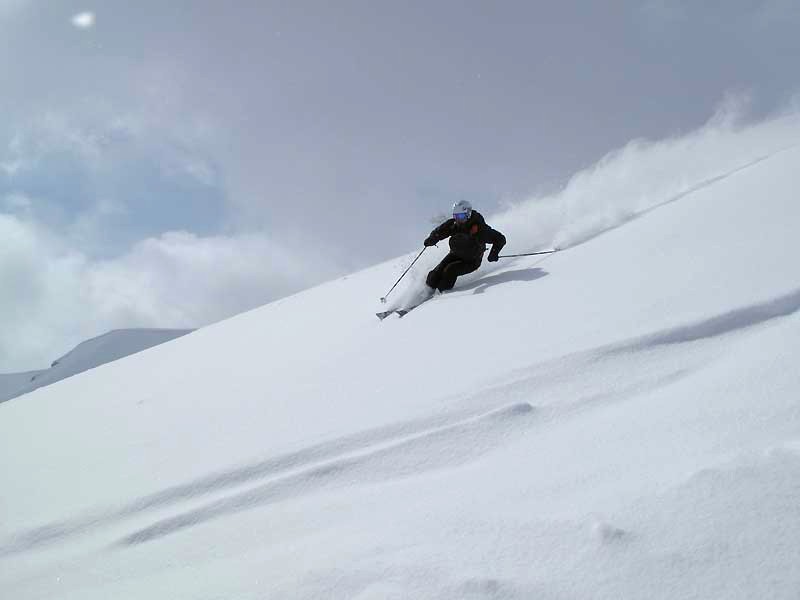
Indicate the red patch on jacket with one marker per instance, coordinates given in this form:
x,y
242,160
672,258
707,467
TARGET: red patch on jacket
x,y
474,229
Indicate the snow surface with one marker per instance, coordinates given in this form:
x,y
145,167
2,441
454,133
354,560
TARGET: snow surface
x,y
618,420
16,384
114,345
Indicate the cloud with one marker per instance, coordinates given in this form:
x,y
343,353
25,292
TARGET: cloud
x,y
95,209
109,179
55,296
84,20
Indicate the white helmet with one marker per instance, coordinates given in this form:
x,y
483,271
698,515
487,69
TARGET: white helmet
x,y
462,211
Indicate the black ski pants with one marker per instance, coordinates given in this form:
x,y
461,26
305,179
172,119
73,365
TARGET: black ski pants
x,y
444,276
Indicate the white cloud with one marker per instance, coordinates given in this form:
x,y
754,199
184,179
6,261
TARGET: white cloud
x,y
79,187
84,20
55,296
112,178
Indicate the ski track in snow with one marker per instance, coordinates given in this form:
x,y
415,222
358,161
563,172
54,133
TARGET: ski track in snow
x,y
445,447
596,364
455,437
729,322
269,467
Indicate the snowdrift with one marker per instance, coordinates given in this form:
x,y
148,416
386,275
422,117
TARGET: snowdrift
x,y
618,420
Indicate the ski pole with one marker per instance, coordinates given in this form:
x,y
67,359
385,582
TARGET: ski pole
x,y
529,253
383,300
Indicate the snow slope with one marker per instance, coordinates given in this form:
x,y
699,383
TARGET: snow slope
x,y
92,353
618,420
15,384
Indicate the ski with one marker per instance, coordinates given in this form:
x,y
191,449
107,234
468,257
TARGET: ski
x,y
404,311
401,312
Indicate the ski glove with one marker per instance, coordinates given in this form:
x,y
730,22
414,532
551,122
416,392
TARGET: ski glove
x,y
429,241
493,256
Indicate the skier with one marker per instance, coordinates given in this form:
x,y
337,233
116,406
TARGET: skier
x,y
469,234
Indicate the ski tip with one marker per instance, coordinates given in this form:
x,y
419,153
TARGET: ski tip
x,y
383,315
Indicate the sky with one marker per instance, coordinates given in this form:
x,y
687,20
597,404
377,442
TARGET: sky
x,y
173,164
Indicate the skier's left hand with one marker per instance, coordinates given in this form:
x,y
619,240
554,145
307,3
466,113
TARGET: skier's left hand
x,y
493,256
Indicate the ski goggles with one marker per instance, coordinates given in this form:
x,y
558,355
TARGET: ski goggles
x,y
461,217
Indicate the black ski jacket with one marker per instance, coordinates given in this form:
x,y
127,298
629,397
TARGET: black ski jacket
x,y
468,239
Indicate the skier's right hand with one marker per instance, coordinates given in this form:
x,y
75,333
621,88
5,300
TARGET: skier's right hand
x,y
429,241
